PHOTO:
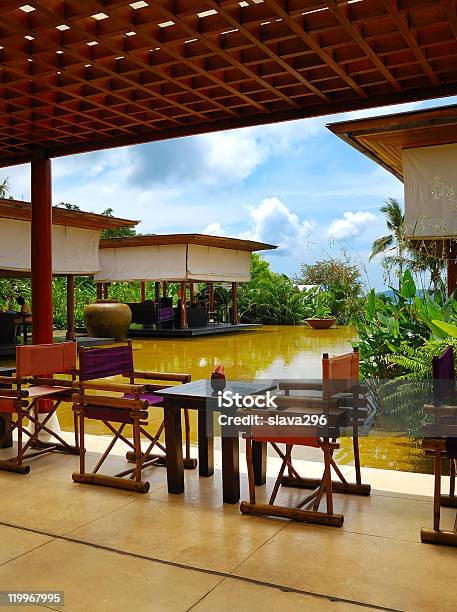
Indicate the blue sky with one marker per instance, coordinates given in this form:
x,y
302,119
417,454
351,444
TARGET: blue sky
x,y
293,184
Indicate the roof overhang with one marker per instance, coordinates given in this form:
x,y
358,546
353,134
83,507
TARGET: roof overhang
x,y
78,77
22,211
222,242
177,257
383,139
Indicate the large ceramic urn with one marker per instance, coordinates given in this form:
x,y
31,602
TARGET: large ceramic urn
x,y
107,319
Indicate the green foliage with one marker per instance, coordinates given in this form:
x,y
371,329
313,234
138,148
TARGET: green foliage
x,y
393,330
272,298
340,281
116,232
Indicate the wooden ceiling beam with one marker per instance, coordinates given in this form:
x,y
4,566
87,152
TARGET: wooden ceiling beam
x,y
333,6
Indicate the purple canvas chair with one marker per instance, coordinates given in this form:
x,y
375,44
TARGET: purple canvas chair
x,y
95,366
444,392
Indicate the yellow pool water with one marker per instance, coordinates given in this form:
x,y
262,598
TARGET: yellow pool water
x,y
269,352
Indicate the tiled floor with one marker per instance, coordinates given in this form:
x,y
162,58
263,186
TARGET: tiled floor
x,y
114,550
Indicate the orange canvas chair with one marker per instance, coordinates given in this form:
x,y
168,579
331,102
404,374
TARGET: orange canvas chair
x,y
35,391
340,383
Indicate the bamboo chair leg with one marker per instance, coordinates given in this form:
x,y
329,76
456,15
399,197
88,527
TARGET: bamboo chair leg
x,y
109,448
355,443
452,478
250,467
137,445
327,479
437,491
20,425
284,464
82,449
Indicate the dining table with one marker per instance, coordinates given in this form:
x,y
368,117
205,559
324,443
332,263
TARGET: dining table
x,y
198,395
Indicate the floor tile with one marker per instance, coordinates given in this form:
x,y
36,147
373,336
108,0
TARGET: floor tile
x,y
233,595
16,542
374,570
94,579
185,534
56,507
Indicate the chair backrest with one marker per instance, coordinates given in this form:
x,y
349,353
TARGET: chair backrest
x,y
340,373
443,373
102,362
46,359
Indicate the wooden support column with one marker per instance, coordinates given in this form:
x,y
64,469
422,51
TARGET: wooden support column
x,y
105,290
157,292
192,292
165,289
41,250
70,307
234,304
211,296
183,292
143,291
99,291
451,268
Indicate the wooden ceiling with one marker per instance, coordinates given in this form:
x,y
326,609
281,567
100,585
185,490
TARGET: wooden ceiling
x,y
383,138
82,75
16,209
222,242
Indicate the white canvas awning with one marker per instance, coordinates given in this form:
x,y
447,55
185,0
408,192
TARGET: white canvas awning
x,y
174,262
430,177
74,250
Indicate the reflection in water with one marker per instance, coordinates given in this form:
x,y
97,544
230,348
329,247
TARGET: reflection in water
x,y
269,352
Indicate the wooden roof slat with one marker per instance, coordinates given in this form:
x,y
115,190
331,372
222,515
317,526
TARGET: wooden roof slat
x,y
402,24
22,211
237,66
200,239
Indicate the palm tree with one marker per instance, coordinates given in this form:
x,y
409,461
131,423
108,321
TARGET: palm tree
x,y
4,188
395,241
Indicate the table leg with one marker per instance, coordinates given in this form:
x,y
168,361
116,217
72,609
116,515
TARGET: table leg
x,y
231,470
205,446
173,444
259,460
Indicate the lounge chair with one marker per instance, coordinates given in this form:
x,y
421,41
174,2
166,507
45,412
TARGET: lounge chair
x,y
337,397
36,392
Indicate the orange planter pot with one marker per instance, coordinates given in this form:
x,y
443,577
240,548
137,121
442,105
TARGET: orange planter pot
x,y
321,323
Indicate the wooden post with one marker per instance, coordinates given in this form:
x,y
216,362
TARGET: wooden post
x,y
451,269
99,291
183,324
234,304
211,297
41,250
165,289
192,292
157,292
70,307
105,290
143,291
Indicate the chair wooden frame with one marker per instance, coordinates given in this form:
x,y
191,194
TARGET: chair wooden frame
x,y
437,445
136,378
336,395
30,397
123,412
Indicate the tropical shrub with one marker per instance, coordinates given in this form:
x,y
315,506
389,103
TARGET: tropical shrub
x,y
340,280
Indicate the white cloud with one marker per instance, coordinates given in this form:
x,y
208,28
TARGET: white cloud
x,y
274,223
214,229
351,224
